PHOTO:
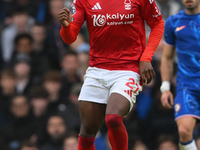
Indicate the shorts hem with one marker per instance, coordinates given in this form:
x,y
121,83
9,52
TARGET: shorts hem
x,y
188,115
127,97
94,101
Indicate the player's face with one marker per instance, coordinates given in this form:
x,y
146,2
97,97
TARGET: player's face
x,y
190,4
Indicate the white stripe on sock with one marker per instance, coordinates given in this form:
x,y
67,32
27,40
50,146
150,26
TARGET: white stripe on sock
x,y
190,146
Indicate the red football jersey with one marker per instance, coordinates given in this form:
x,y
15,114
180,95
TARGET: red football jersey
x,y
116,30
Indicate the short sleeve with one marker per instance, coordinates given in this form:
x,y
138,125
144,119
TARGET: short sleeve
x,y
150,12
169,32
78,12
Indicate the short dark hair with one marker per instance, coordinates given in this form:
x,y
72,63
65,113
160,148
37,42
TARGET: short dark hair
x,y
53,75
56,115
22,36
39,24
38,92
68,53
18,95
9,73
166,137
18,10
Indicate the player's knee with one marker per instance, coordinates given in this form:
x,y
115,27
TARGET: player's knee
x,y
184,132
88,132
113,120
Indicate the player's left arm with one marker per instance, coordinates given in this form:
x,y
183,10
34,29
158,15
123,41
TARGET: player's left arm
x,y
153,17
72,21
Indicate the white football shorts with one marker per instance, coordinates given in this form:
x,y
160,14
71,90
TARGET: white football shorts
x,y
99,84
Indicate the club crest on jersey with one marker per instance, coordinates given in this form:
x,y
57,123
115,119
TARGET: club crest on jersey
x,y
127,4
73,9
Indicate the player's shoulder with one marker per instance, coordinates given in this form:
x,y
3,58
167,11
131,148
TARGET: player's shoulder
x,y
177,16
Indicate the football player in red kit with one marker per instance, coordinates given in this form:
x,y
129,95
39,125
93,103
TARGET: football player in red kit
x,y
119,59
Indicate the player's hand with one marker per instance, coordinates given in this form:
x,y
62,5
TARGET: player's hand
x,y
65,17
167,99
146,71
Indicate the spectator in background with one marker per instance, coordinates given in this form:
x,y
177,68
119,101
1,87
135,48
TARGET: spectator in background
x,y
83,59
71,142
31,7
21,23
38,34
27,145
22,68
7,91
70,112
69,65
56,45
41,49
39,102
24,44
83,54
52,82
139,145
56,130
102,142
67,3
2,11
168,7
160,120
80,41
167,142
20,128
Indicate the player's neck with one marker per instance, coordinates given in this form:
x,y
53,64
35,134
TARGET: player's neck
x,y
193,11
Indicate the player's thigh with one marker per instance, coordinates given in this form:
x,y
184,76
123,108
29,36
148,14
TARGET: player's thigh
x,y
186,124
92,105
94,91
123,94
92,116
118,104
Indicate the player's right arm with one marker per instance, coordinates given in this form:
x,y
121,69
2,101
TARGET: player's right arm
x,y
167,65
71,27
166,74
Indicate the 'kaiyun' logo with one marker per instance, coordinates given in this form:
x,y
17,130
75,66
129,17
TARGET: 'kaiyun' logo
x,y
99,20
127,4
110,19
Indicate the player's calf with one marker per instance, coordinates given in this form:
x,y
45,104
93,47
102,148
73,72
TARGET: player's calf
x,y
117,133
185,133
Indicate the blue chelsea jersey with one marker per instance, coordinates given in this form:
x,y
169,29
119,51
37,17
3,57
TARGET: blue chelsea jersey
x,y
183,31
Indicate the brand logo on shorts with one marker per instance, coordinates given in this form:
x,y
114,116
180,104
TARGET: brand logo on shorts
x,y
177,108
133,86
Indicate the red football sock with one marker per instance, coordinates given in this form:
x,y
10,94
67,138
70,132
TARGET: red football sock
x,y
86,143
117,133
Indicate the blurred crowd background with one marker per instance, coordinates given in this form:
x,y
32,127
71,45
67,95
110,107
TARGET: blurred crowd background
x,y
41,78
